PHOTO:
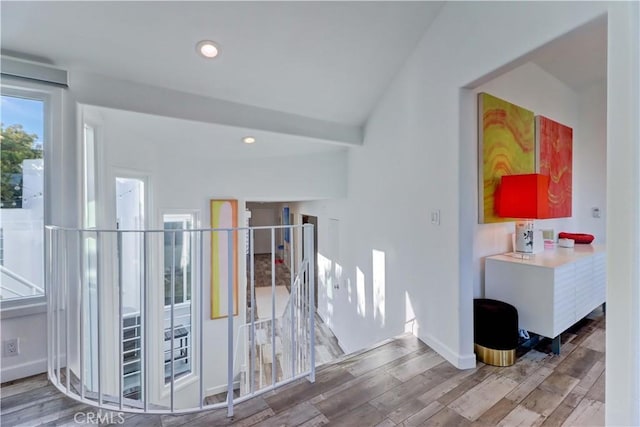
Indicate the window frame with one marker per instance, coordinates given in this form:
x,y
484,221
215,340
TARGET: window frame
x,y
187,377
52,98
193,218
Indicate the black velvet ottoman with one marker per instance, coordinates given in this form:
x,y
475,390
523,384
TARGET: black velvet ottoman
x,y
495,332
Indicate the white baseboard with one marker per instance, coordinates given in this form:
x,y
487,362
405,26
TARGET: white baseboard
x,y
10,373
460,361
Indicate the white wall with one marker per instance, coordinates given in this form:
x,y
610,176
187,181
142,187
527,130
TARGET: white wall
x,y
623,216
31,331
419,156
263,214
590,161
187,173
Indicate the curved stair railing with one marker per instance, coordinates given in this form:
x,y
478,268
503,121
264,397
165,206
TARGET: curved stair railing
x,y
107,334
285,339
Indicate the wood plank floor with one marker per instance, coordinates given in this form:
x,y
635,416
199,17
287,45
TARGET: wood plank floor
x,y
400,382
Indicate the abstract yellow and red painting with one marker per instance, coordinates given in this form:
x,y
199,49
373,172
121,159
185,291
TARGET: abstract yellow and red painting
x,y
506,136
224,257
554,152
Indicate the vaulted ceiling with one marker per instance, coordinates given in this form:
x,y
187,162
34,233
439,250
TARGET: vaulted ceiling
x,y
324,60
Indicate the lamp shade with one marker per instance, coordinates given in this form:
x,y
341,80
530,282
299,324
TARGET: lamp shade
x,y
523,196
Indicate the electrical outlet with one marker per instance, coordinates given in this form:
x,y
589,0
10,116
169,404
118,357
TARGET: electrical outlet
x,y
11,347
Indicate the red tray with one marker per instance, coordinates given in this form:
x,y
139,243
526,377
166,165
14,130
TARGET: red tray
x,y
577,237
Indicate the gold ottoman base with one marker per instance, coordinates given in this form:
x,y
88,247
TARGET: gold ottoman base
x,y
495,357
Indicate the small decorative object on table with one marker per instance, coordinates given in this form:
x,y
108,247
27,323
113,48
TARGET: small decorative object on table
x,y
566,243
548,236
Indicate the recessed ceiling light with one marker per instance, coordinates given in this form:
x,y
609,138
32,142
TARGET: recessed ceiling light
x,y
248,140
207,48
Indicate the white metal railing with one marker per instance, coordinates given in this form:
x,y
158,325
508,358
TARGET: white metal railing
x,y
107,333
292,330
295,314
32,288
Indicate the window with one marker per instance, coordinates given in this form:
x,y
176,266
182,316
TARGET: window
x,y
89,176
177,258
130,215
24,136
178,281
90,258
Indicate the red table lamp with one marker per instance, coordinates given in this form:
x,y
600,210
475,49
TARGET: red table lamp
x,y
523,197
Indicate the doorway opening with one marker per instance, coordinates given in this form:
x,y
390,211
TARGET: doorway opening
x,y
283,254
310,219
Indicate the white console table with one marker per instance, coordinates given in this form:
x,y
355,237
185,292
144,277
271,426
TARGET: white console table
x,y
551,290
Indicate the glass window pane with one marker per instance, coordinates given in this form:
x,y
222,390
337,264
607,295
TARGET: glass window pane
x,y
22,197
178,267
130,213
89,171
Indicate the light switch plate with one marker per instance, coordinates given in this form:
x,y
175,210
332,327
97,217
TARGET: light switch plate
x,y
435,217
